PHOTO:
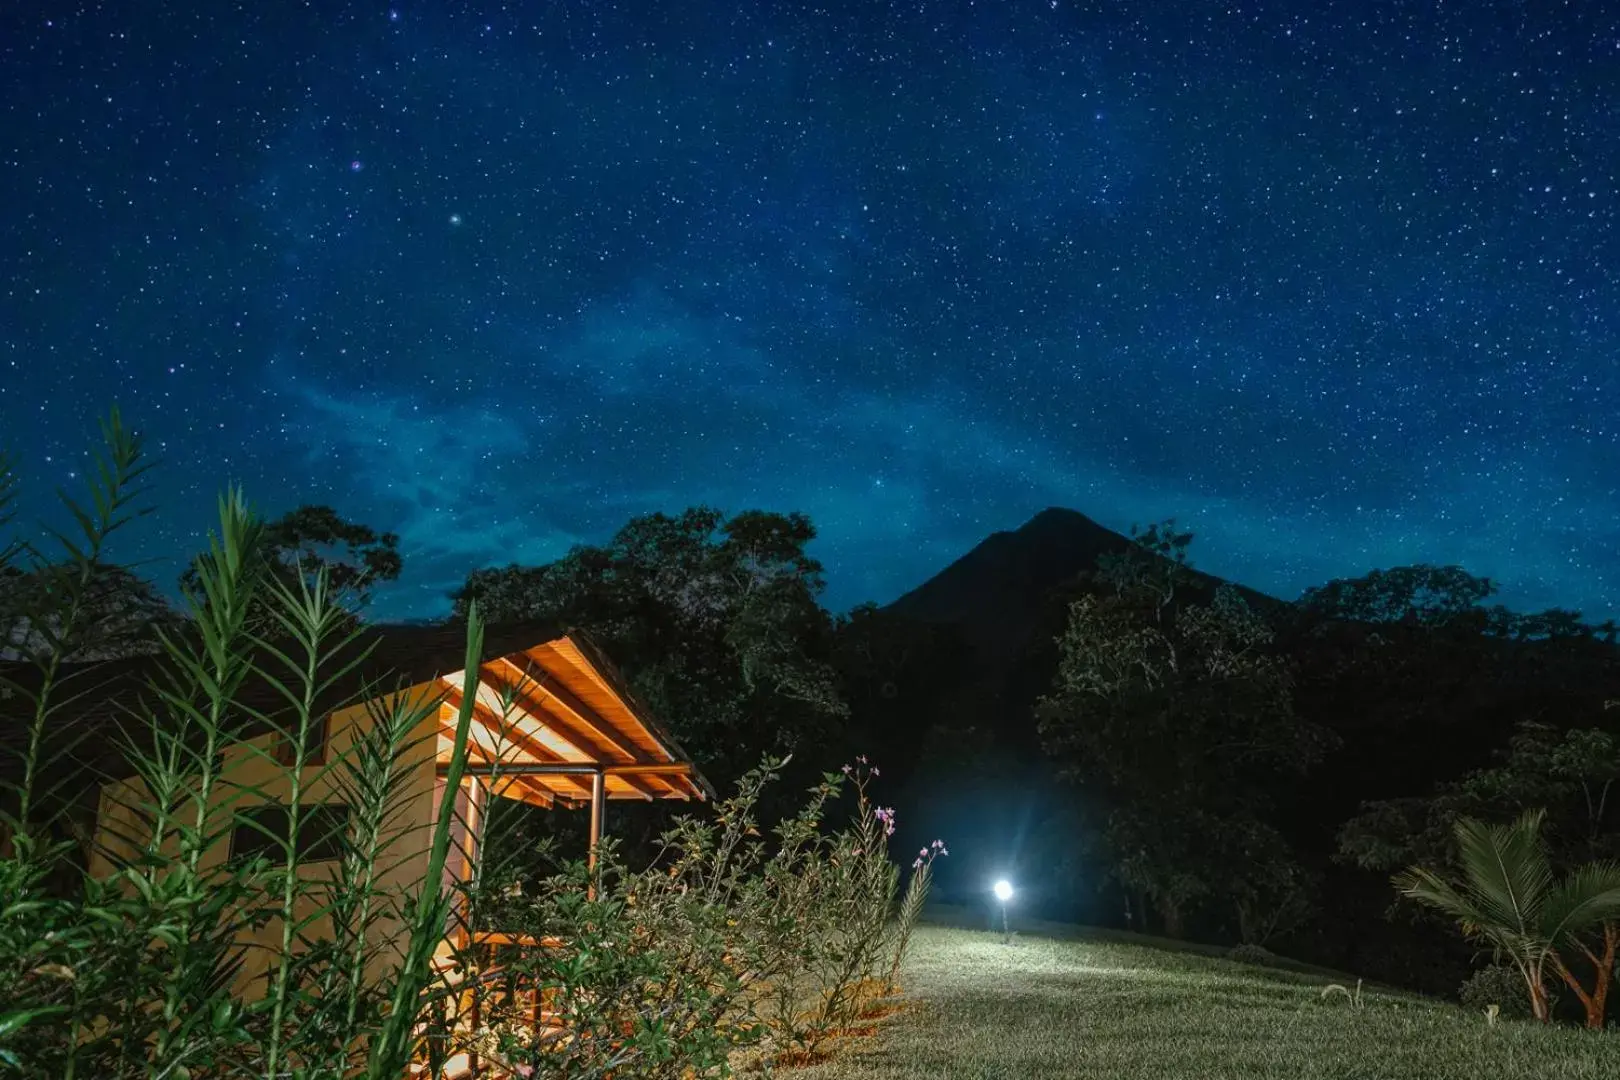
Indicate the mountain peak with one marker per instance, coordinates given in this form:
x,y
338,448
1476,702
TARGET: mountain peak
x,y
996,591
1060,521
1001,593
1059,514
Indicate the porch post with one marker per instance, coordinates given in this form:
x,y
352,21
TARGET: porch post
x,y
598,799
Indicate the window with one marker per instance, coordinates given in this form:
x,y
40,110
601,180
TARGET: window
x,y
320,832
316,752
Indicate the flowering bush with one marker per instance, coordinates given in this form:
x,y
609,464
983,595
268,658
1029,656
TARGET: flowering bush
x,y
726,941
855,899
647,973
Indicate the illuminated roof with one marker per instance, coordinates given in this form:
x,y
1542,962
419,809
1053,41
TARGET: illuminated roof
x,y
548,698
549,715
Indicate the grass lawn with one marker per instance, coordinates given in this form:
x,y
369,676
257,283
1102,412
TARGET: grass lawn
x,y
1120,1009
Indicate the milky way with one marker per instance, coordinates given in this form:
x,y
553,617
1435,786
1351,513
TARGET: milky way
x,y
1334,284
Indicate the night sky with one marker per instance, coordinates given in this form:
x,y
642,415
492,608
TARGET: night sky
x,y
1335,284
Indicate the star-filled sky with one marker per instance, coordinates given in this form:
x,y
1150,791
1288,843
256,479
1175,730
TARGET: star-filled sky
x,y
1336,284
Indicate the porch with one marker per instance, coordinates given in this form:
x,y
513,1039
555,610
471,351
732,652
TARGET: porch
x,y
552,725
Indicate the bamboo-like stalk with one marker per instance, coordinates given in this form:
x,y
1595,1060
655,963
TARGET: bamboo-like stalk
x,y
213,669
390,1051
370,779
308,618
114,487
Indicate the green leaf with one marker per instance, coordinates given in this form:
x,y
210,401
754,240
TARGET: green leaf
x,y
14,1021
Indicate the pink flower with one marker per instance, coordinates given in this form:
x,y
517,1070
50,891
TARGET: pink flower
x,y
916,864
876,771
923,854
861,758
848,770
885,814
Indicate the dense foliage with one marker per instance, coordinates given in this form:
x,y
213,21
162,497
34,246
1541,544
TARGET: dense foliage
x,y
732,940
1174,719
349,557
729,939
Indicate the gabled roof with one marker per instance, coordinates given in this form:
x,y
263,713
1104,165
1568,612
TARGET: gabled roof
x,y
557,710
96,703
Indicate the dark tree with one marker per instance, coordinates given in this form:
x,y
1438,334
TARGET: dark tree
x,y
716,622
356,557
120,614
311,539
1572,775
1425,595
1175,720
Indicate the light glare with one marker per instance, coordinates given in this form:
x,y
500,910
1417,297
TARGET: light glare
x,y
1004,890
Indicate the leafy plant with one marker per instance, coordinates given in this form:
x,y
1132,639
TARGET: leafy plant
x,y
911,906
1508,897
856,897
136,970
726,941
1498,986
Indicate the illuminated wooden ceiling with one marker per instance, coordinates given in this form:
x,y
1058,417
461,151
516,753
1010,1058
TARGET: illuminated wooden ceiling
x,y
554,714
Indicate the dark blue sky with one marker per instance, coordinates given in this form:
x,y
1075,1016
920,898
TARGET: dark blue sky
x,y
1336,284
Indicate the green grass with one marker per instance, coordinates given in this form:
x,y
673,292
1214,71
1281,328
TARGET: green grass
x,y
1105,1006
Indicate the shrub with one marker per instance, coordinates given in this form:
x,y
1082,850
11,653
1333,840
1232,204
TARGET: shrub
x,y
854,898
641,972
1500,985
724,942
1251,954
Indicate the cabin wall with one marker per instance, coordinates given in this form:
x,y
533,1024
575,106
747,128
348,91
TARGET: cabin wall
x,y
249,778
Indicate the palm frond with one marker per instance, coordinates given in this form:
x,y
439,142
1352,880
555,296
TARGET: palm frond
x,y
1505,870
1587,897
1430,889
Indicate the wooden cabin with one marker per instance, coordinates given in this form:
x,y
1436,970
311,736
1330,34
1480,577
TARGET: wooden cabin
x,y
553,724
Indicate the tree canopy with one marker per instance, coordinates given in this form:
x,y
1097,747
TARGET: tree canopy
x,y
1569,776
312,539
1175,718
715,620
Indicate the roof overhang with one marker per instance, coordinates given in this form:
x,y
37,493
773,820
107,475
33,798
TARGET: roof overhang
x,y
547,718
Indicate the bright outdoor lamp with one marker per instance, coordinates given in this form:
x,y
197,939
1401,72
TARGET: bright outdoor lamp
x,y
1004,892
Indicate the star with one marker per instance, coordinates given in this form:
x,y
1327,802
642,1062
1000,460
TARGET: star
x,y
914,284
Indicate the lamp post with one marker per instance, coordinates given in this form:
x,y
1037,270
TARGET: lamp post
x,y
1004,892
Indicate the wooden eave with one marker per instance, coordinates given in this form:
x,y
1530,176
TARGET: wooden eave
x,y
548,717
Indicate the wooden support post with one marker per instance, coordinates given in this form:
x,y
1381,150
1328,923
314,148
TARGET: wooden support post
x,y
598,801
